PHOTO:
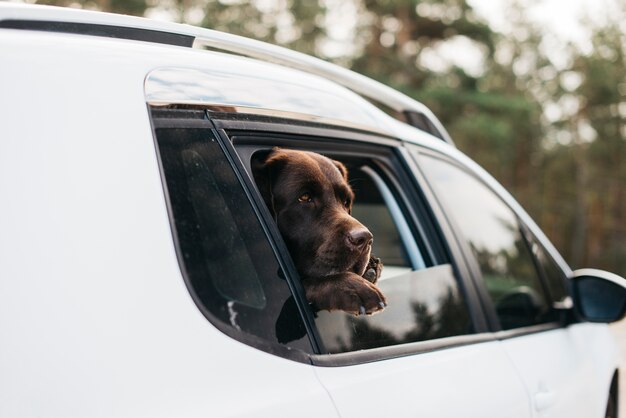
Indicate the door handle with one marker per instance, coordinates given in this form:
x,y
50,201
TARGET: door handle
x,y
544,400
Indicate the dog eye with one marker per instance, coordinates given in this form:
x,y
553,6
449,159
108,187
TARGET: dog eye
x,y
346,203
305,198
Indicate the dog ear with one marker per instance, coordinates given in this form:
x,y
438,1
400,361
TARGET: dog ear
x,y
342,169
265,169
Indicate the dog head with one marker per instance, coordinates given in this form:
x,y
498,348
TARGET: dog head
x,y
311,201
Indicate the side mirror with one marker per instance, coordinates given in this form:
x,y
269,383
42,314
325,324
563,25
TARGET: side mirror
x,y
599,296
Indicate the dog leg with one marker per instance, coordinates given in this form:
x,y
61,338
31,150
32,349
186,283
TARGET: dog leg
x,y
347,292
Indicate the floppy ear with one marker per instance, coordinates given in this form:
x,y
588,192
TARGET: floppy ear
x,y
342,169
265,170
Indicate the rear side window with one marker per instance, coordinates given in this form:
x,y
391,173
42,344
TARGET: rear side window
x,y
228,263
494,234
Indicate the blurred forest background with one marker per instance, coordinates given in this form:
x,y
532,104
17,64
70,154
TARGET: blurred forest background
x,y
546,117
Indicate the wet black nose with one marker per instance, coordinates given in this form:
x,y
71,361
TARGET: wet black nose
x,y
359,237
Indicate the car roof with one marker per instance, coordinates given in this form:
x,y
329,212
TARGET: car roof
x,y
340,96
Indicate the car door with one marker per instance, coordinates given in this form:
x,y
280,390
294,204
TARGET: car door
x,y
475,380
567,369
427,353
525,290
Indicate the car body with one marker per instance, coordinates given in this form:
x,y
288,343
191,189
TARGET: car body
x,y
142,275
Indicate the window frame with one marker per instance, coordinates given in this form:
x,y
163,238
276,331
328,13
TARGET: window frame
x,y
417,201
333,140
471,262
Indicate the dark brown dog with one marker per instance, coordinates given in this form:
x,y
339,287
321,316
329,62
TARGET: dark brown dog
x,y
310,199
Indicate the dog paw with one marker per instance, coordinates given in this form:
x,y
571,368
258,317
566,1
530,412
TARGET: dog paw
x,y
373,270
345,292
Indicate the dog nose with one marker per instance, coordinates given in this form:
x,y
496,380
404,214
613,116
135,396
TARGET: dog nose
x,y
359,237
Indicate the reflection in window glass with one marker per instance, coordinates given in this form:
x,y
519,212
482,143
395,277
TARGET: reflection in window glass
x,y
493,233
554,276
422,305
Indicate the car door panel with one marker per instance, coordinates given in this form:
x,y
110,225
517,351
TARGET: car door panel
x,y
554,364
476,380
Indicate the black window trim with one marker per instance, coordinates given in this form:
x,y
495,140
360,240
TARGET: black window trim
x,y
472,264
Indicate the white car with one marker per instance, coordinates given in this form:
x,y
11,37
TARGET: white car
x,y
141,274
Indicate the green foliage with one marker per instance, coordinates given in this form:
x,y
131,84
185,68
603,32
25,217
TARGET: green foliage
x,y
293,24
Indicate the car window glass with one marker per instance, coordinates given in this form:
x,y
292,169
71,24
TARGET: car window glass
x,y
493,233
424,301
422,305
554,277
230,267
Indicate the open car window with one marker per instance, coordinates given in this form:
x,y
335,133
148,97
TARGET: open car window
x,y
239,272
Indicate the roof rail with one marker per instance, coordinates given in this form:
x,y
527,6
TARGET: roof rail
x,y
415,113
55,19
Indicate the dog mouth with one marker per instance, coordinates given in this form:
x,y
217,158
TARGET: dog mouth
x,y
345,261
